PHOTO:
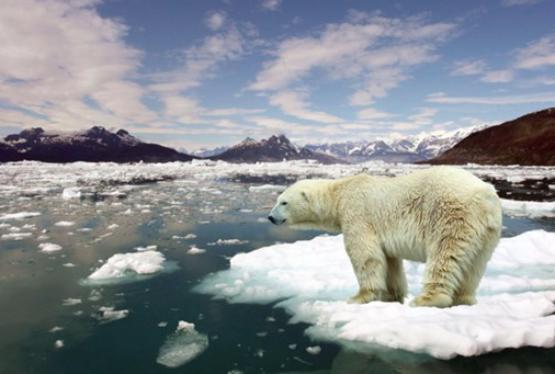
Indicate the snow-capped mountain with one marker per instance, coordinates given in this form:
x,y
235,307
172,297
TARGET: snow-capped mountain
x,y
95,144
275,148
396,149
206,152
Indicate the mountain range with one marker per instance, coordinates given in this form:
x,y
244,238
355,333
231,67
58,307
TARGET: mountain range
x,y
95,144
527,140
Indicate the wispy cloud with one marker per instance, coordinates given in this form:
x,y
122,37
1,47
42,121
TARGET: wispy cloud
x,y
469,67
537,54
271,5
294,104
215,20
545,97
510,3
375,51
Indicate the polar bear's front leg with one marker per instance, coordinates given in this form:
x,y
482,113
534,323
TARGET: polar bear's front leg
x,y
369,264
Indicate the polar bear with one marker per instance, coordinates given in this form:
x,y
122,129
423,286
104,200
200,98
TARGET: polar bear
x,y
443,216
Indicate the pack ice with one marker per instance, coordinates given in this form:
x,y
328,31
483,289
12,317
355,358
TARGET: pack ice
x,y
312,279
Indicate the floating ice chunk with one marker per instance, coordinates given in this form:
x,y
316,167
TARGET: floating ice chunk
x,y
64,223
515,299
195,250
113,226
95,295
528,208
71,193
68,265
55,329
71,301
162,324
129,267
19,215
16,235
188,236
267,187
58,344
228,242
109,314
147,248
314,350
182,346
49,247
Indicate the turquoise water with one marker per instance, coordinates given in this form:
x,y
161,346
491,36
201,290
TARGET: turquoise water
x,y
248,338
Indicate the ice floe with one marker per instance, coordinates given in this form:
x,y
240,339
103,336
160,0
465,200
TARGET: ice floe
x,y
16,236
50,247
71,302
109,314
228,242
71,193
312,279
183,345
195,250
64,223
19,215
528,208
58,344
129,267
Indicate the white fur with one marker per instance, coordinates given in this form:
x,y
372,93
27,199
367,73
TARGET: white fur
x,y
443,216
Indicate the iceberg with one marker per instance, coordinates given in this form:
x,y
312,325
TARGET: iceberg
x,y
313,279
129,267
182,346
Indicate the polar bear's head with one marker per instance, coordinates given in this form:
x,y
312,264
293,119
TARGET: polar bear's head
x,y
302,205
292,205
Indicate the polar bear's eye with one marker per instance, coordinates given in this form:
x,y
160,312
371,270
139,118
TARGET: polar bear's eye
x,y
284,203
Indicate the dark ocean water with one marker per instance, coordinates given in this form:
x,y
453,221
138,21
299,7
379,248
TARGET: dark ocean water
x,y
242,337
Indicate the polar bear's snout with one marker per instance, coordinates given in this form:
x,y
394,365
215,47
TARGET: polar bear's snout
x,y
276,216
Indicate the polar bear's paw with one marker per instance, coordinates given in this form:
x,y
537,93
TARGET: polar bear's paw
x,y
365,296
438,300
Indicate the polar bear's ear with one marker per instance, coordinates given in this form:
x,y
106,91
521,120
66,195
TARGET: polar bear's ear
x,y
305,196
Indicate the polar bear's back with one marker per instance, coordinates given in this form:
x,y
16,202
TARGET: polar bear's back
x,y
412,211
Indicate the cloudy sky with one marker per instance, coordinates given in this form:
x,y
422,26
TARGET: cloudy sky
x,y
205,73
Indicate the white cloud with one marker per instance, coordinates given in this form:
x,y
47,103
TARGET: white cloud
x,y
441,98
200,61
271,5
498,76
372,114
55,54
519,2
537,54
294,103
374,50
469,67
215,20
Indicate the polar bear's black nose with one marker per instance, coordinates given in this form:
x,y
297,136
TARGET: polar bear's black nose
x,y
272,219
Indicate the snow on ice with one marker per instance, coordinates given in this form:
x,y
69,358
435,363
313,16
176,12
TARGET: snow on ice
x,y
49,247
109,314
19,215
528,208
182,346
128,267
515,305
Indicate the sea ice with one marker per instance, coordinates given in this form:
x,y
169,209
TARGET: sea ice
x,y
64,223
58,344
49,247
19,215
182,346
109,314
195,250
314,350
313,279
71,302
528,208
71,193
16,235
228,242
127,267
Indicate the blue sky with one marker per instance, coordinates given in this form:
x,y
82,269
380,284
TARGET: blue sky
x,y
206,73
